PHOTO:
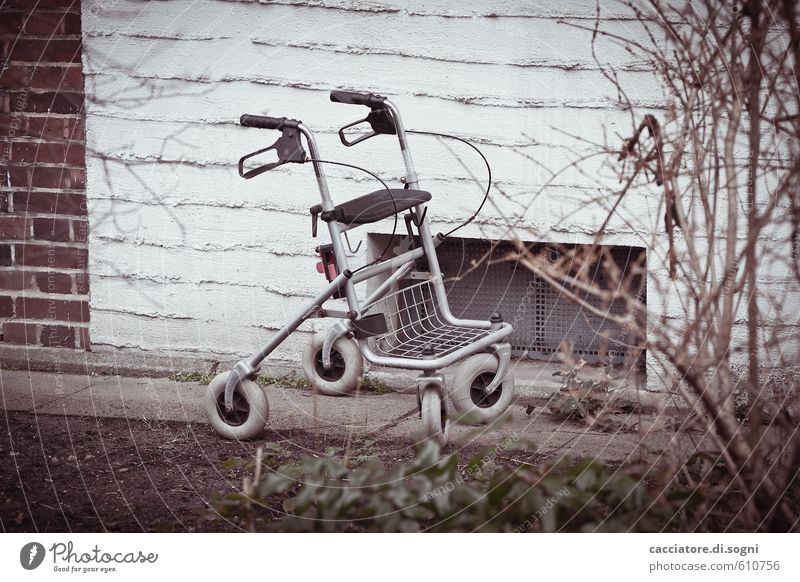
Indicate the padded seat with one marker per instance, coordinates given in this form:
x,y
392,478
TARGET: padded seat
x,y
377,205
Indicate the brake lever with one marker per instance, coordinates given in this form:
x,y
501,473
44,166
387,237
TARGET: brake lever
x,y
261,169
289,149
348,143
380,120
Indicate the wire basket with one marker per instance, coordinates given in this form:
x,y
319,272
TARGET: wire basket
x,y
415,329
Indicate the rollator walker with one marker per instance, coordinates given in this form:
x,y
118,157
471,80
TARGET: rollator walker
x,y
404,321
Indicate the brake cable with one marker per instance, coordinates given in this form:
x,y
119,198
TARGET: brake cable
x,y
488,169
394,203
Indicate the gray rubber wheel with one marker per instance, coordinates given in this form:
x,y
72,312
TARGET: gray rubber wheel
x,y
435,424
347,366
466,392
250,409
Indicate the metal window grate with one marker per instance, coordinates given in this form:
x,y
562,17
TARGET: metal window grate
x,y
542,317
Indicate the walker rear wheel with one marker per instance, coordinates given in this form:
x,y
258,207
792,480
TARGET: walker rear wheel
x,y
467,394
347,366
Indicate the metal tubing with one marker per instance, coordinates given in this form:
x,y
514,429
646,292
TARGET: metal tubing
x,y
335,313
339,329
249,366
239,372
503,353
300,317
424,226
411,176
387,265
385,286
322,184
436,363
334,228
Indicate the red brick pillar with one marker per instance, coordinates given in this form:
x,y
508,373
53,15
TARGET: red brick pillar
x,y
44,286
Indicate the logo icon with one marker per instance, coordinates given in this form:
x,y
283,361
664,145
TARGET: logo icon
x,y
31,555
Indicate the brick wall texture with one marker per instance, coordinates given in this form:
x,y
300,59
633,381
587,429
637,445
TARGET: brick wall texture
x,y
44,285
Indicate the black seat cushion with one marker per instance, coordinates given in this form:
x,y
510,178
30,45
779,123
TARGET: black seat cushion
x,y
377,205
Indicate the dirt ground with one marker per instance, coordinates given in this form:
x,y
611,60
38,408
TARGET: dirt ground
x,y
64,471
86,474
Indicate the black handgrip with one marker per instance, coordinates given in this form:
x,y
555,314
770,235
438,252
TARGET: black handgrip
x,y
355,98
264,122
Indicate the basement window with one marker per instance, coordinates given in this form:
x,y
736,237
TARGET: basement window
x,y
480,279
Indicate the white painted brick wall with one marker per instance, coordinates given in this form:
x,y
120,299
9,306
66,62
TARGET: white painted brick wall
x,y
186,257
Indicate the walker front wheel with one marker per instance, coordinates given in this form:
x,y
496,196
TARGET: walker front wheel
x,y
435,424
467,392
250,409
347,366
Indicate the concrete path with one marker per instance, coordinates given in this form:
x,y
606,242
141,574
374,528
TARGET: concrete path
x,y
392,415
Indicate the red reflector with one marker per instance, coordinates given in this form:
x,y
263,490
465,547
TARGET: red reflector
x,y
320,267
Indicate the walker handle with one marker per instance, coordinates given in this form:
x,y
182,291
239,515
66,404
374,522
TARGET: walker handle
x,y
264,122
355,98
288,147
379,117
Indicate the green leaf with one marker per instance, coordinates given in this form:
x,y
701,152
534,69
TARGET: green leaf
x,y
233,463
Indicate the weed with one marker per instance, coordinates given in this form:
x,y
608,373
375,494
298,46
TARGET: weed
x,y
193,377
579,399
290,381
372,385
435,493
